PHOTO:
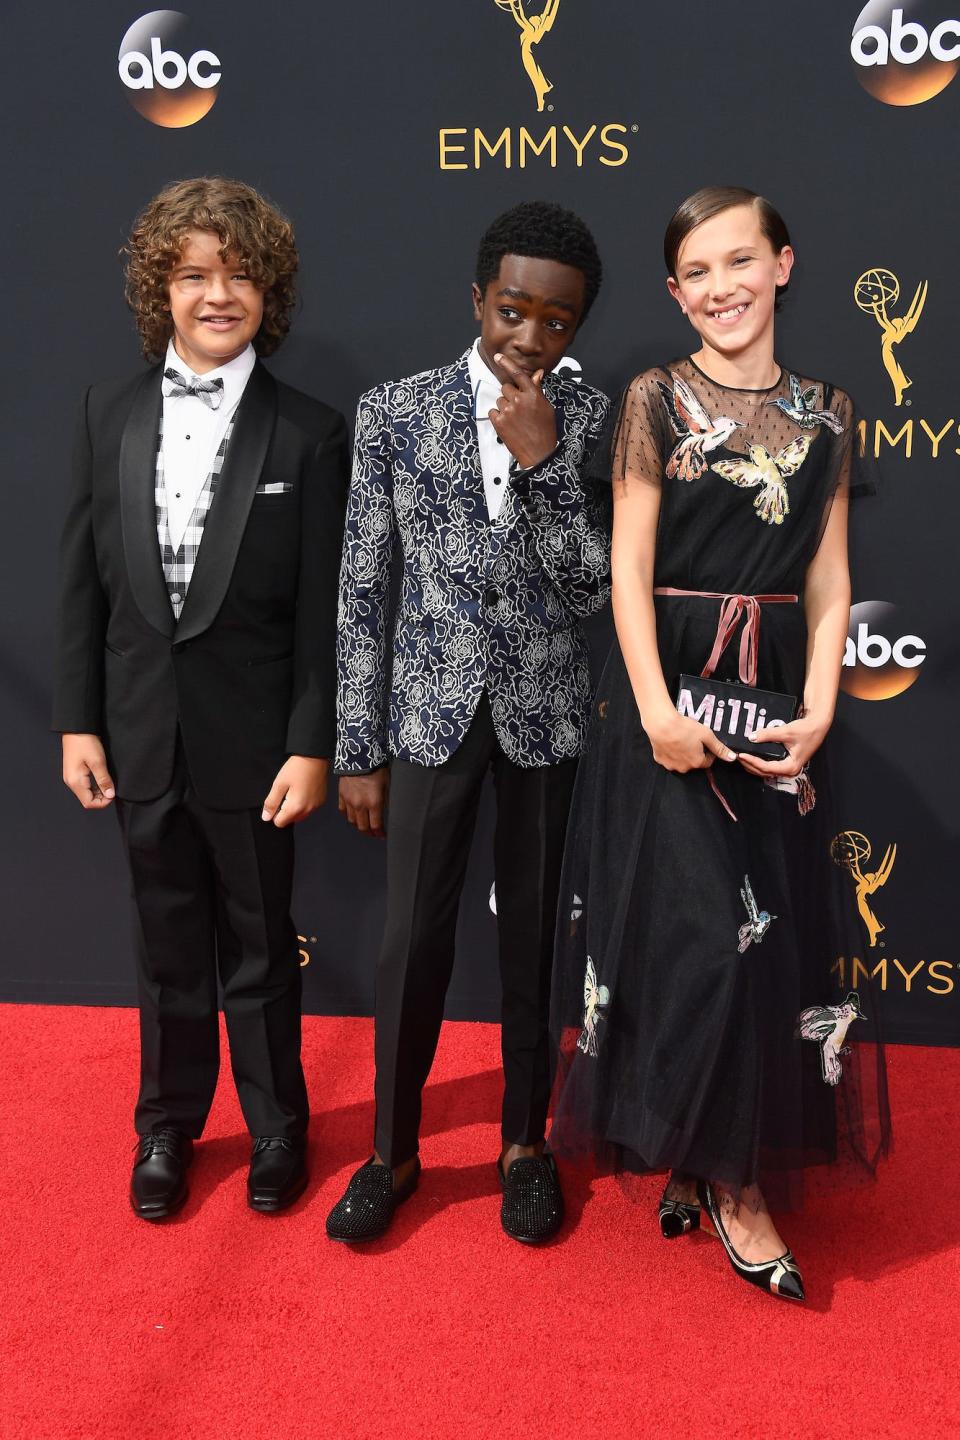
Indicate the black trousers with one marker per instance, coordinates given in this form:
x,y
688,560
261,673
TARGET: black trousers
x,y
211,891
432,816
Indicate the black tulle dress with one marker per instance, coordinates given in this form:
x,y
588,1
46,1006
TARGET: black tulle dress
x,y
696,1004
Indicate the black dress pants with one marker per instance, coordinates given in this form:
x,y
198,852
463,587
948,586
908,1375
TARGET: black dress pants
x,y
211,890
432,816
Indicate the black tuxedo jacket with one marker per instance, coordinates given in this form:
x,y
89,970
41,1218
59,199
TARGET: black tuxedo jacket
x,y
247,674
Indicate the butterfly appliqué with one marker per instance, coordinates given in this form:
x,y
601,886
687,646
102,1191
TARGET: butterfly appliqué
x,y
596,998
770,472
758,921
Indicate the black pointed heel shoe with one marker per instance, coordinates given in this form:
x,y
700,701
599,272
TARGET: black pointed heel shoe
x,y
778,1277
677,1218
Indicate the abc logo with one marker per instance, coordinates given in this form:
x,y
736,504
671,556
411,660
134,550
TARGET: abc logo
x,y
167,78
907,53
879,661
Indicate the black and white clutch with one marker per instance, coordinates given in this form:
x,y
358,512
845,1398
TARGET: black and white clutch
x,y
733,712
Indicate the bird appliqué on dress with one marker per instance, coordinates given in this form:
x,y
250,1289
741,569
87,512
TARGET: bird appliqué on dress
x,y
596,998
801,408
768,471
697,433
828,1025
800,785
758,921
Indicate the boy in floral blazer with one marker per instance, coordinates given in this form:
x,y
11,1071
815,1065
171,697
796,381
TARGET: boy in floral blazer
x,y
475,470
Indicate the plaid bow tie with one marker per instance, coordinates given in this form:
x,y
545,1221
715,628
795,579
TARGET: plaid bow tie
x,y
209,391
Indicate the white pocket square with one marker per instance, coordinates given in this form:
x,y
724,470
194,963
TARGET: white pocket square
x,y
275,487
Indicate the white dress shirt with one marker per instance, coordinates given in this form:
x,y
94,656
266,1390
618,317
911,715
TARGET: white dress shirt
x,y
494,456
192,433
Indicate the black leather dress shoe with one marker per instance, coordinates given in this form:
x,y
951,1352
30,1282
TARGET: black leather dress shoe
x,y
366,1208
532,1207
158,1185
278,1173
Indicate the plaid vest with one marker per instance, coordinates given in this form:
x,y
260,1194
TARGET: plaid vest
x,y
178,564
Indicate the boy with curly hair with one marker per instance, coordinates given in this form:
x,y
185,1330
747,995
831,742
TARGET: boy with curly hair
x,y
474,471
196,667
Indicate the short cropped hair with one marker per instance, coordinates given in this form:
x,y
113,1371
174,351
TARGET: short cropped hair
x,y
541,231
248,227
713,200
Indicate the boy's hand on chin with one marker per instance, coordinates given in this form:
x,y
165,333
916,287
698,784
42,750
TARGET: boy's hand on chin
x,y
85,771
299,789
524,418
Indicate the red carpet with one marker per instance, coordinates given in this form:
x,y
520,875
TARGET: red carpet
x,y
227,1325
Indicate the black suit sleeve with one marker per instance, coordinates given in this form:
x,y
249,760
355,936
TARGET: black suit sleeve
x,y
312,727
82,617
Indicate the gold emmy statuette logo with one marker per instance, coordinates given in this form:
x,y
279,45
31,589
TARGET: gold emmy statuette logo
x,y
874,292
532,31
850,850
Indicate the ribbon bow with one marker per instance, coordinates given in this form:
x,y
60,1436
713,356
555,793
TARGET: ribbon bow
x,y
730,612
209,391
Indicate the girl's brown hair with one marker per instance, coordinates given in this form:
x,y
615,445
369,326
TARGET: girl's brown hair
x,y
713,200
247,226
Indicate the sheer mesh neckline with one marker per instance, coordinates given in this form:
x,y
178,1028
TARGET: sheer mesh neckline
x,y
737,389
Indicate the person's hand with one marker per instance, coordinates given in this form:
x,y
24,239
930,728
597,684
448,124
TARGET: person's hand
x,y
523,416
299,789
802,738
85,771
680,743
363,799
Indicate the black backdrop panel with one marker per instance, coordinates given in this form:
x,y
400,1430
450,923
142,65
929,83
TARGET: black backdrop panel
x,y
392,134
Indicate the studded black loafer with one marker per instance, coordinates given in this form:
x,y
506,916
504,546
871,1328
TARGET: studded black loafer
x,y
367,1206
532,1207
278,1173
158,1184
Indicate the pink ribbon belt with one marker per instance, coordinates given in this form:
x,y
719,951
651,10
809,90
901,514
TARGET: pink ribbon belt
x,y
733,607
731,610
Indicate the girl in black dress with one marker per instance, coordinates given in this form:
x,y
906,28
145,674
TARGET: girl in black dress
x,y
696,1003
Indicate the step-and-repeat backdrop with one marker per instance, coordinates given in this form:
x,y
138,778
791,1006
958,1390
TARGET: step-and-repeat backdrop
x,y
392,133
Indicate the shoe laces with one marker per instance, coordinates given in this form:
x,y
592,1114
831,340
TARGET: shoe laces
x,y
166,1142
273,1142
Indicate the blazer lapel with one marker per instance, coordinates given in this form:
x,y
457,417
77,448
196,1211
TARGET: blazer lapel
x,y
553,390
227,517
138,509
456,395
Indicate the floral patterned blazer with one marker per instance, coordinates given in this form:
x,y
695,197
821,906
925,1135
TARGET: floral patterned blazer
x,y
484,605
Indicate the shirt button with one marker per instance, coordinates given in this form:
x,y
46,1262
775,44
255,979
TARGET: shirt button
x,y
175,597
498,479
177,495
499,439
186,437
491,595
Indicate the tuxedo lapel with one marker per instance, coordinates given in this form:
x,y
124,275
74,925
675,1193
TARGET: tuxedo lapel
x,y
138,509
227,517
